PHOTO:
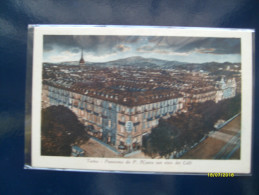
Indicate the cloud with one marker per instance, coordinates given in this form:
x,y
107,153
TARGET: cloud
x,y
146,48
213,46
62,56
99,58
99,45
173,42
205,50
168,45
166,51
75,50
195,44
115,47
48,48
122,48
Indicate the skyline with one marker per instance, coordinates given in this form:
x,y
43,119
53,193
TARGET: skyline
x,y
62,48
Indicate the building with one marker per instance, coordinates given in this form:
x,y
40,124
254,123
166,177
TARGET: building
x,y
223,89
228,88
82,61
118,122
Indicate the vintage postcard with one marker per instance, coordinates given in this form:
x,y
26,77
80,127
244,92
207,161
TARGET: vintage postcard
x,y
141,99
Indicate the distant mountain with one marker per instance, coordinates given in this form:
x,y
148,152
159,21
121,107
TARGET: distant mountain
x,y
63,63
211,67
69,63
138,61
141,62
130,61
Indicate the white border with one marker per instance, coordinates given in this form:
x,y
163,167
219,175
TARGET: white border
x,y
145,165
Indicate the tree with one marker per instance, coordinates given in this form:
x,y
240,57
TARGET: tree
x,y
60,128
185,129
161,140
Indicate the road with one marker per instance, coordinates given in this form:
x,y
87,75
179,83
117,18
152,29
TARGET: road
x,y
94,149
222,144
230,148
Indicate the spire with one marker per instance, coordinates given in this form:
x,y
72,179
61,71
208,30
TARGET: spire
x,y
82,53
82,61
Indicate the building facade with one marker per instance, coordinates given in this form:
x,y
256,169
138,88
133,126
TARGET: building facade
x,y
224,89
119,125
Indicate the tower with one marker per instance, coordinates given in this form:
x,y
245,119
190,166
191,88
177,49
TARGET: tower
x,y
82,61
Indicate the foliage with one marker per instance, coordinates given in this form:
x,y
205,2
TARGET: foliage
x,y
160,140
192,126
60,128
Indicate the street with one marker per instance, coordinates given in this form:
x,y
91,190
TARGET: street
x,y
222,144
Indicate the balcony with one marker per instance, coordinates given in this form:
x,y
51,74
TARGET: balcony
x,y
121,123
157,117
137,123
150,119
96,114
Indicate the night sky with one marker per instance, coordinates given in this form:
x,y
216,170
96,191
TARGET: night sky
x,y
62,48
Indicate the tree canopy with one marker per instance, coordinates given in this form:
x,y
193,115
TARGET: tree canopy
x,y
60,128
161,139
191,126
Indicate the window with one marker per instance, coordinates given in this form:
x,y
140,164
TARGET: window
x,y
128,141
122,129
129,126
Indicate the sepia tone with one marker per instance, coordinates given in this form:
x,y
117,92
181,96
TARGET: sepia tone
x,y
119,102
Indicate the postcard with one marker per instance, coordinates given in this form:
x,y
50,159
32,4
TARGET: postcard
x,y
140,99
